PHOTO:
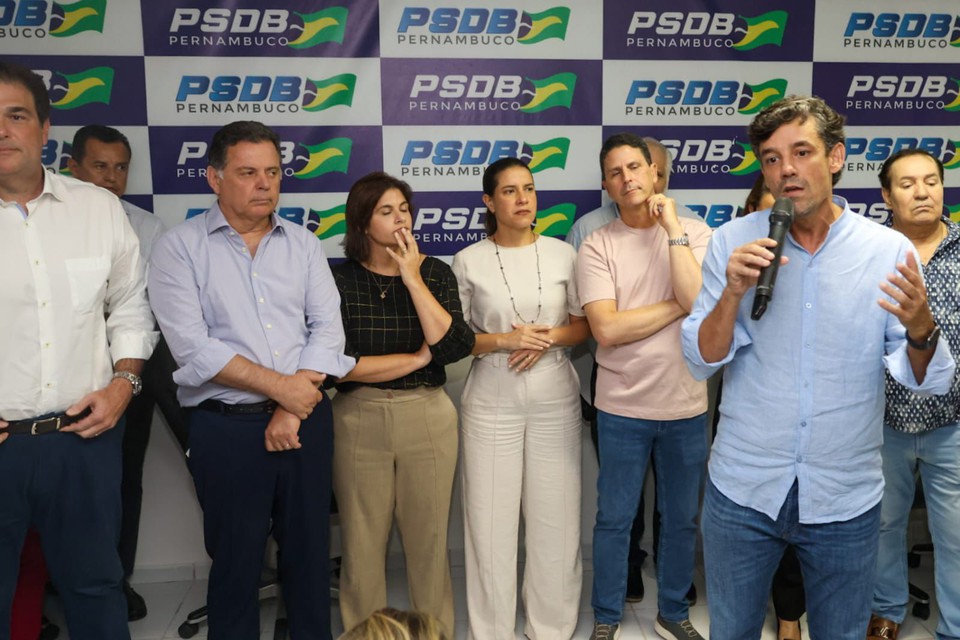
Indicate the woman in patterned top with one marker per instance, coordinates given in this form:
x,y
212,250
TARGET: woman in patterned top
x,y
394,427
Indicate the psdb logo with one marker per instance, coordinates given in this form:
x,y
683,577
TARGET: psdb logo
x,y
469,157
702,29
483,92
263,93
868,154
902,30
480,25
711,156
908,91
39,18
223,26
298,159
702,97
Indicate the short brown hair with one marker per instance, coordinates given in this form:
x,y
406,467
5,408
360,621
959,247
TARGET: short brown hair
x,y
829,123
363,197
14,73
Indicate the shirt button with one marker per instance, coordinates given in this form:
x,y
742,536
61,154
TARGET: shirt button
x,y
799,458
276,353
243,250
260,300
808,306
269,326
46,345
803,424
255,274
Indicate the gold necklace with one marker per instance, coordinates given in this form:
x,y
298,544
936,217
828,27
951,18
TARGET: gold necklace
x,y
377,282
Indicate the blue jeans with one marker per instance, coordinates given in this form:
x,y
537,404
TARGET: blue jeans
x,y
742,548
937,456
680,454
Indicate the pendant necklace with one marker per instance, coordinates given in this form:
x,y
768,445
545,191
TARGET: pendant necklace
x,y
376,281
503,274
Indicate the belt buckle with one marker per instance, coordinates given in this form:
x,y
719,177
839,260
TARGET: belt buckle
x,y
36,424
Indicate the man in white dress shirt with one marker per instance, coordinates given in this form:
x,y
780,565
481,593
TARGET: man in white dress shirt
x,y
74,333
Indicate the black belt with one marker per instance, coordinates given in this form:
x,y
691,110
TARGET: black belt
x,y
40,426
267,406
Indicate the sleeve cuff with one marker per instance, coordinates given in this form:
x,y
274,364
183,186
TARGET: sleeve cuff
x,y
690,341
326,361
205,366
138,345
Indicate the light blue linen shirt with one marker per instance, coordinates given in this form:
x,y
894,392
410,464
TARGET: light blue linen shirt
x,y
280,309
803,391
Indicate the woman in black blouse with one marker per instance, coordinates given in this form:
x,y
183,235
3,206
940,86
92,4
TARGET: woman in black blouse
x,y
395,428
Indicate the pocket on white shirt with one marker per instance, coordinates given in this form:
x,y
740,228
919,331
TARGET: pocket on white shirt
x,y
88,282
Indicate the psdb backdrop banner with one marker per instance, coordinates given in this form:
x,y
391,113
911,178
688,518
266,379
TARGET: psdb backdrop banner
x,y
432,91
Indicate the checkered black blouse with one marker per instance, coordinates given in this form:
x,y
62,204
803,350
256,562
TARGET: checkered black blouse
x,y
376,325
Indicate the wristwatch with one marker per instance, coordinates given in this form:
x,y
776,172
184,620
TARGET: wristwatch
x,y
132,378
929,343
682,241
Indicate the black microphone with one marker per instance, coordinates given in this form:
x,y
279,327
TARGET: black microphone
x,y
781,217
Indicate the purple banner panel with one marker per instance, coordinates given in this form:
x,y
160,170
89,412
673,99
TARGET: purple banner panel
x,y
314,159
890,94
261,28
447,222
490,92
703,157
696,30
143,201
89,89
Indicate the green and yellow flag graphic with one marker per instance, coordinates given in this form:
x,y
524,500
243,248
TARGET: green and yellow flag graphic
x,y
93,85
555,91
86,15
954,162
551,23
955,104
326,157
749,164
329,222
551,154
763,30
327,25
556,221
336,90
765,94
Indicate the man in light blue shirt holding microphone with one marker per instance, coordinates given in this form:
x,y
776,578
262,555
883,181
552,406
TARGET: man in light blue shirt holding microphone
x,y
797,454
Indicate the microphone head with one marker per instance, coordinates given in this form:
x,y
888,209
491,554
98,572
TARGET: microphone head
x,y
782,210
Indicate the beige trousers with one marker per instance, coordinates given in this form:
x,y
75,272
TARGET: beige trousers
x,y
520,439
395,454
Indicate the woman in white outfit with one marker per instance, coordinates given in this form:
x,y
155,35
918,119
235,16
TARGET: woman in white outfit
x,y
520,416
